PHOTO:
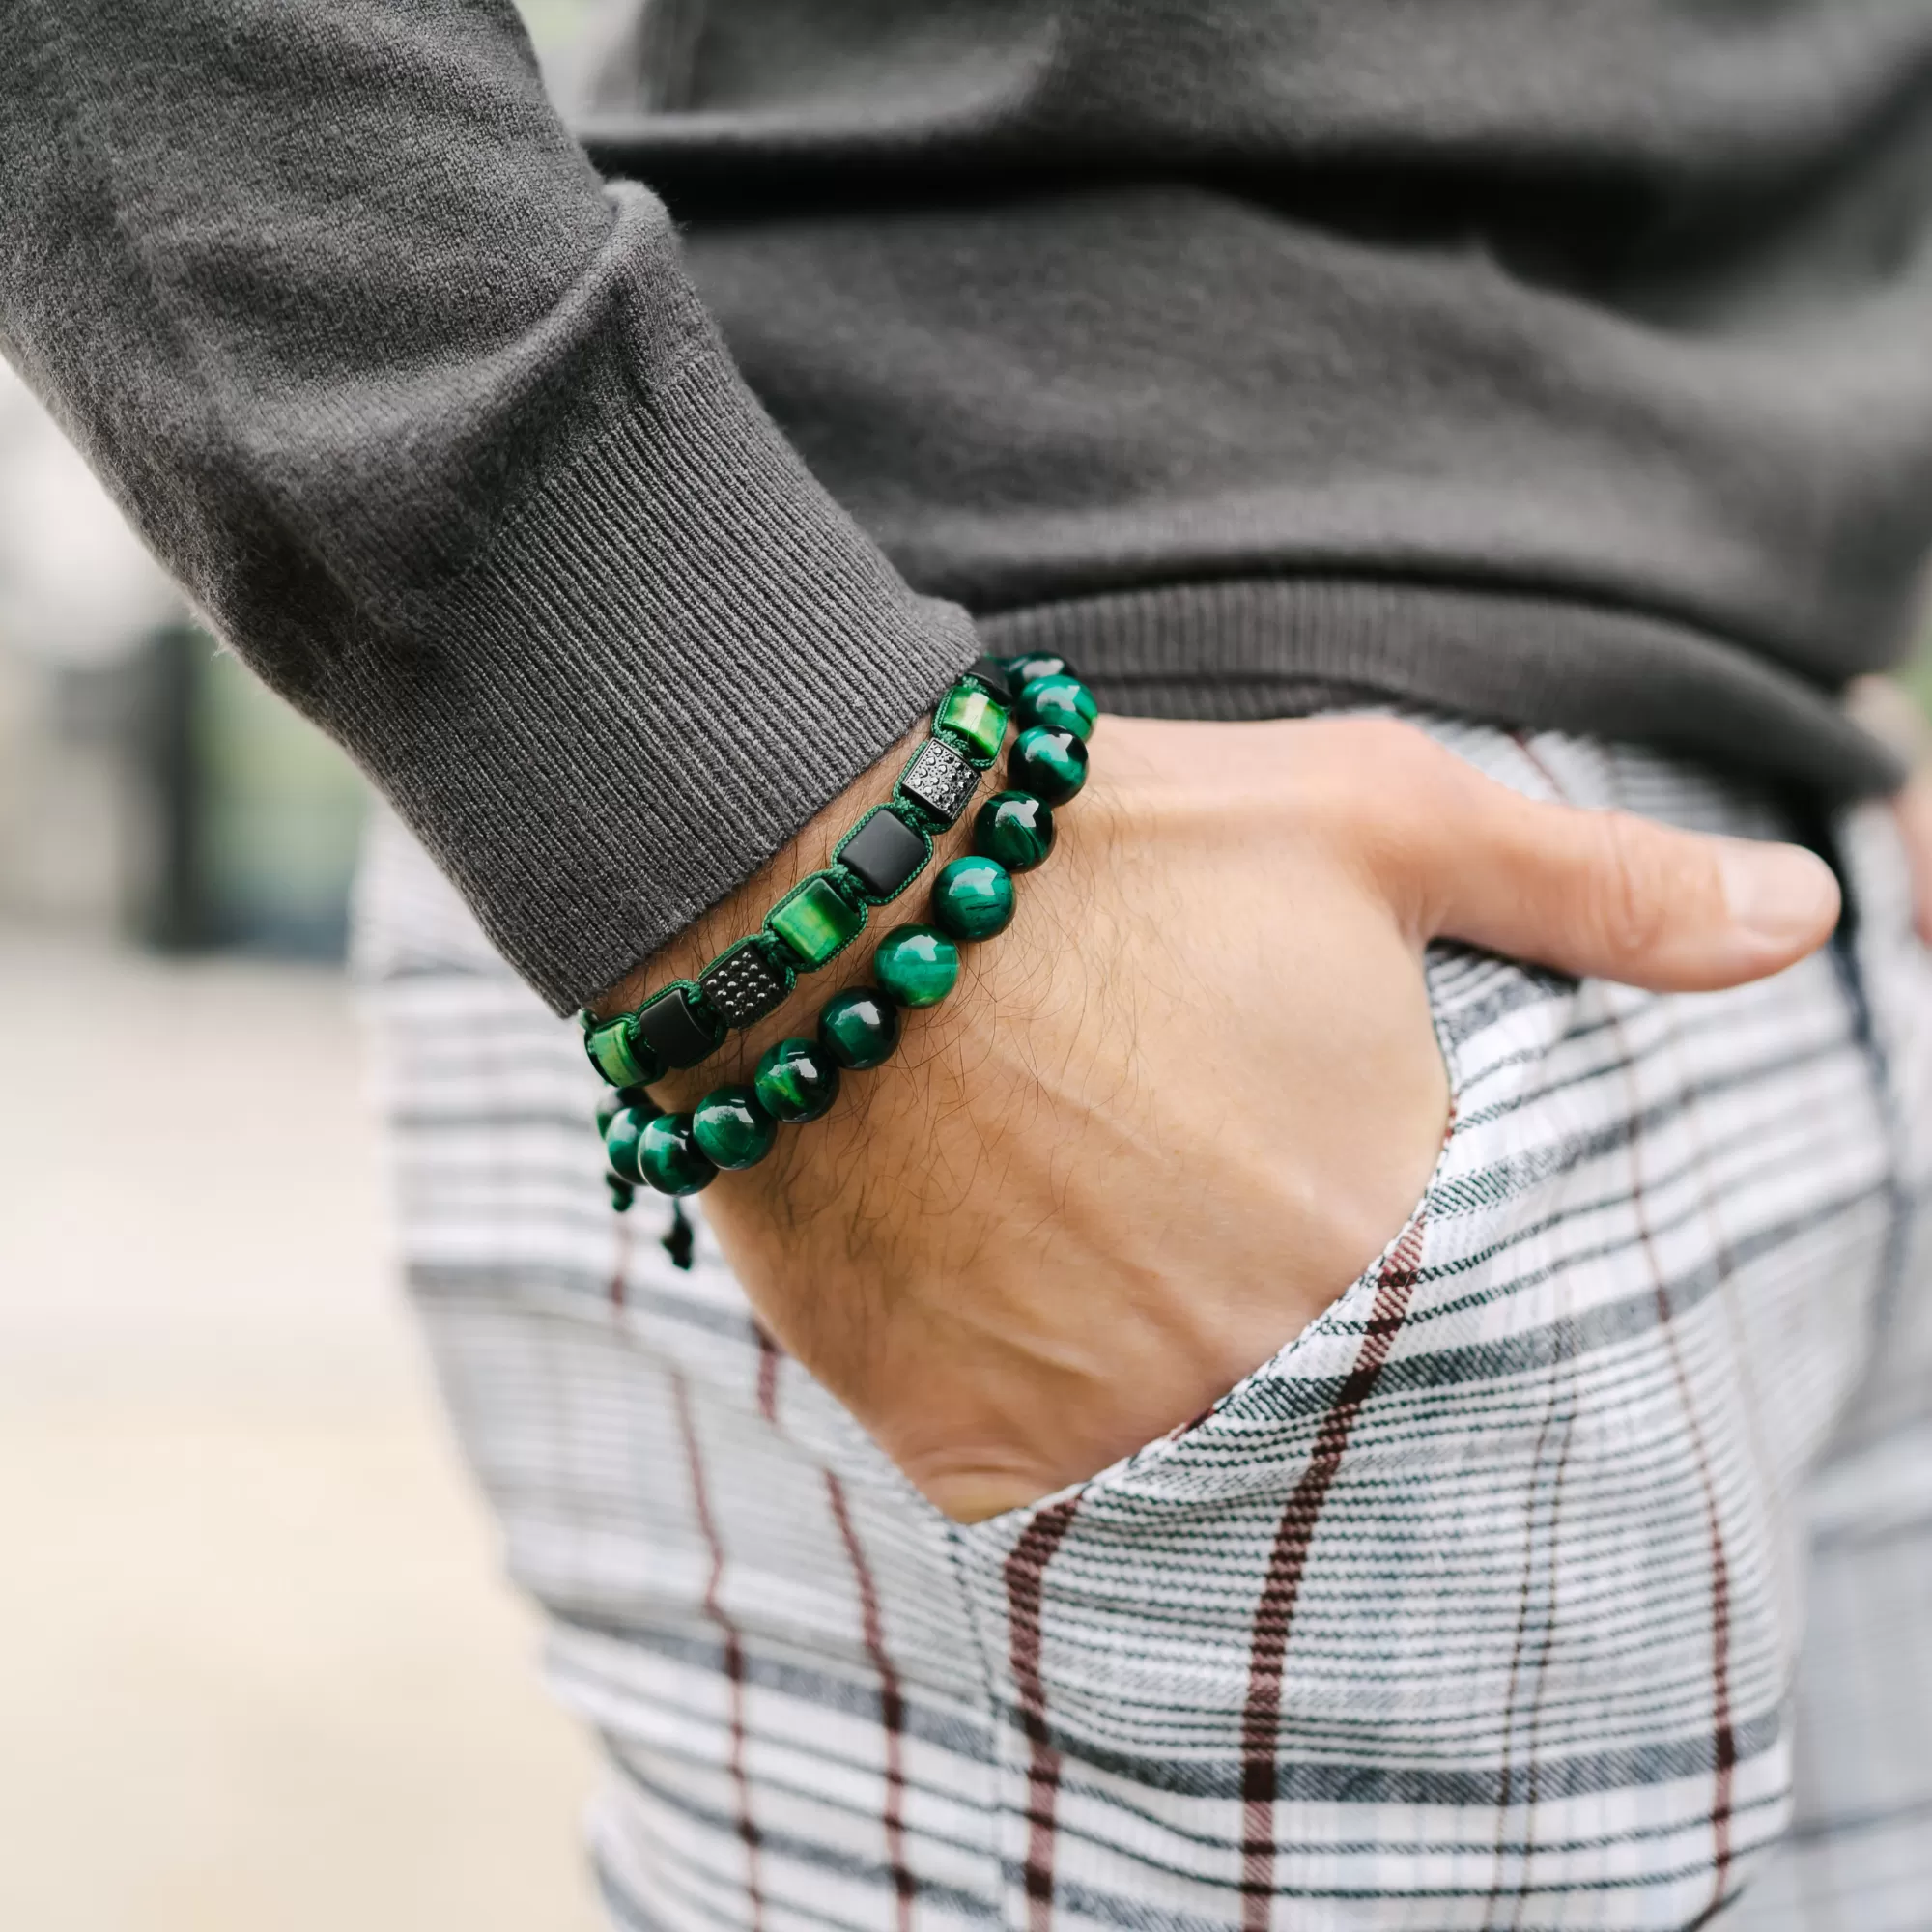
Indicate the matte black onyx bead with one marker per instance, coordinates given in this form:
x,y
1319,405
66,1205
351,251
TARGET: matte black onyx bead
x,y
992,674
675,1029
1048,762
858,1027
1015,828
884,853
669,1159
940,781
743,986
796,1081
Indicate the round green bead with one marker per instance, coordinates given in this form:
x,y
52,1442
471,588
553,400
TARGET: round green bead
x,y
731,1129
1048,761
1060,701
973,898
797,1080
671,1159
615,1099
623,1135
917,966
858,1027
1015,828
1030,665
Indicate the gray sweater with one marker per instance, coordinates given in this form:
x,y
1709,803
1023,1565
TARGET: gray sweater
x,y
1566,363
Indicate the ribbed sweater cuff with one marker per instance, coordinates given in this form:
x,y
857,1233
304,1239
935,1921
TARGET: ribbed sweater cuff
x,y
676,653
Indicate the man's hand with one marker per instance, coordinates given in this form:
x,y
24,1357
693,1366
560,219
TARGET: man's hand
x,y
1193,1090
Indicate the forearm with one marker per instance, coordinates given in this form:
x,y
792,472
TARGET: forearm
x,y
429,422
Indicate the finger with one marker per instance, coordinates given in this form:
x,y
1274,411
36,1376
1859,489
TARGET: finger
x,y
1600,894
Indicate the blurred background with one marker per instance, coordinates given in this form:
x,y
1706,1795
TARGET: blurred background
x,y
257,1665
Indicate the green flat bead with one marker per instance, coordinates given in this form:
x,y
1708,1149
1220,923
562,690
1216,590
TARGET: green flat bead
x,y
1060,701
916,966
858,1027
670,1160
731,1129
1050,762
623,1137
815,920
619,1056
975,718
1015,828
797,1080
973,898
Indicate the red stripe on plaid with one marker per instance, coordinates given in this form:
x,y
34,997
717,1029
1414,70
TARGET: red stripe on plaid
x,y
1294,1535
1026,1579
891,1705
734,1650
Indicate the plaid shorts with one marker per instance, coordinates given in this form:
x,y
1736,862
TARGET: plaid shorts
x,y
1575,1569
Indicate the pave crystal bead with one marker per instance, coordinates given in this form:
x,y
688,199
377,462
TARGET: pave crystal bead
x,y
743,985
670,1160
618,1056
1050,762
796,1081
1016,829
623,1138
858,1027
884,853
1059,700
817,920
731,1129
973,722
973,898
674,1029
916,966
940,781
1030,665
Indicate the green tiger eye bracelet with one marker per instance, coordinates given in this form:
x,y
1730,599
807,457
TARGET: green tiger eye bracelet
x,y
684,1023
914,966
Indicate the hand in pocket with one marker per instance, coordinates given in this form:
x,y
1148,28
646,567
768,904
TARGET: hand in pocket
x,y
1194,1089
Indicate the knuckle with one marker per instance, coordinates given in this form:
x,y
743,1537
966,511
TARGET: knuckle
x,y
1637,885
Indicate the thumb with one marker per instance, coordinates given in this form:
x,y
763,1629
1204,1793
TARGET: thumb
x,y
1602,894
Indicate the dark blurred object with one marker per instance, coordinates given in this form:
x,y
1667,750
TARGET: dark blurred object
x,y
251,816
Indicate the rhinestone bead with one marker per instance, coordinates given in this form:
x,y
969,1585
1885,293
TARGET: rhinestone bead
x,y
797,1080
916,966
817,920
743,985
1016,829
1050,762
731,1129
858,1027
1064,701
973,898
939,781
670,1160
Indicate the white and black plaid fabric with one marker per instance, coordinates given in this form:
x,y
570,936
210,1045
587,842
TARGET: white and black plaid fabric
x,y
1574,1570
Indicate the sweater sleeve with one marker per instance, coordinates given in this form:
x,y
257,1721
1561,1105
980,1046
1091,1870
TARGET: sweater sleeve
x,y
427,420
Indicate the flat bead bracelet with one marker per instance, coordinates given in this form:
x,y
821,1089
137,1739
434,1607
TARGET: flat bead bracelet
x,y
914,966
682,1024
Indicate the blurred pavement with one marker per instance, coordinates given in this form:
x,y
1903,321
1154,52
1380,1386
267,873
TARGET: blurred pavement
x,y
257,1668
